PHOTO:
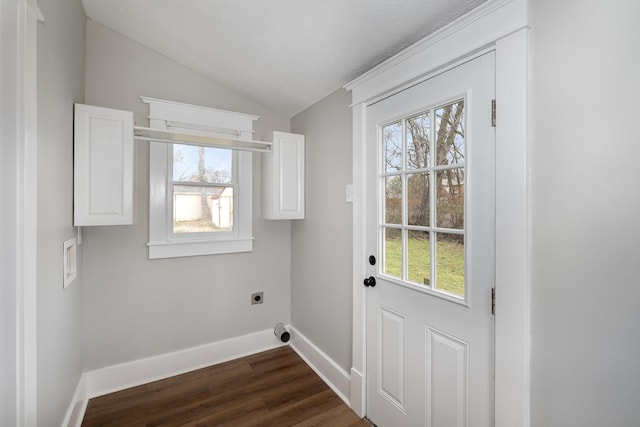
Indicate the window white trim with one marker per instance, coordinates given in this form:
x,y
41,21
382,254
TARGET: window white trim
x,y
161,244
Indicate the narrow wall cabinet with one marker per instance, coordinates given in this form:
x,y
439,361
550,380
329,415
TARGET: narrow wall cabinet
x,y
283,177
103,166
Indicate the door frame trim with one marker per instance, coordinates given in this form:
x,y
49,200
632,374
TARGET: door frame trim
x,y
19,185
500,25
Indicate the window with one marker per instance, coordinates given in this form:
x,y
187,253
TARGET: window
x,y
204,183
200,198
422,181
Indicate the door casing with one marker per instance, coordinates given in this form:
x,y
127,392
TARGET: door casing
x,y
502,26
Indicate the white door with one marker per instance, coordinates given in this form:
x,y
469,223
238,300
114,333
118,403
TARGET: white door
x,y
430,227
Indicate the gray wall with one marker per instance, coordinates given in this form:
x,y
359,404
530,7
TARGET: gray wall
x,y
321,282
135,307
586,206
61,55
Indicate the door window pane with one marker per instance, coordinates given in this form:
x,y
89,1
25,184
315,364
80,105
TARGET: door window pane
x,y
393,199
450,201
418,199
392,263
450,263
418,141
450,134
424,192
419,257
392,143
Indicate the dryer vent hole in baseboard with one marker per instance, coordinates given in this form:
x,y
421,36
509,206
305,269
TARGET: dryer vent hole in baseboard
x,y
257,298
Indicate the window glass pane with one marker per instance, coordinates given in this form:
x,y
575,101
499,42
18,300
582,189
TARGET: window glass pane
x,y
419,257
424,187
418,130
198,209
392,144
418,199
450,201
393,252
202,164
393,199
450,263
450,134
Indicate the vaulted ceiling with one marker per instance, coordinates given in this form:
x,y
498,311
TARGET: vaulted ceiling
x,y
286,54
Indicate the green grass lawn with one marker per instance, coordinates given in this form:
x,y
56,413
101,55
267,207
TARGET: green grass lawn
x,y
449,263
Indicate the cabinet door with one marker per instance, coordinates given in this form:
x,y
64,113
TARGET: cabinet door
x,y
283,177
103,166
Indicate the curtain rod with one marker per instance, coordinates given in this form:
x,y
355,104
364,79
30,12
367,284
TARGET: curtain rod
x,y
168,137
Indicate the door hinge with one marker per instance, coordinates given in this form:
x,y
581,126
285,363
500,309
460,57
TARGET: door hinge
x,y
493,113
493,301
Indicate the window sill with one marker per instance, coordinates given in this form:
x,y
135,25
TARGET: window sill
x,y
159,250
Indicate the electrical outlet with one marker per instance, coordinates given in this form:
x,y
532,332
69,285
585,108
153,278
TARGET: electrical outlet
x,y
257,298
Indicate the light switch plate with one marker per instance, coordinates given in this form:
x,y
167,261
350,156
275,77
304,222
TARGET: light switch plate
x,y
349,193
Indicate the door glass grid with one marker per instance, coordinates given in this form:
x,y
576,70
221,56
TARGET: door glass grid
x,y
423,208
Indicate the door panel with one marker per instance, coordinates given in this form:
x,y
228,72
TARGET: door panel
x,y
430,220
392,356
448,380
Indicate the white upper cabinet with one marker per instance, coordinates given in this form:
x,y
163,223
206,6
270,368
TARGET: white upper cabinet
x,y
103,166
104,162
283,177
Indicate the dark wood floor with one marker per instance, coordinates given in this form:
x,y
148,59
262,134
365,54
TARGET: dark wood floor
x,y
274,388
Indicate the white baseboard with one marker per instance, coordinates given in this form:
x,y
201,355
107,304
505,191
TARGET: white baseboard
x,y
78,406
119,377
323,365
142,371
